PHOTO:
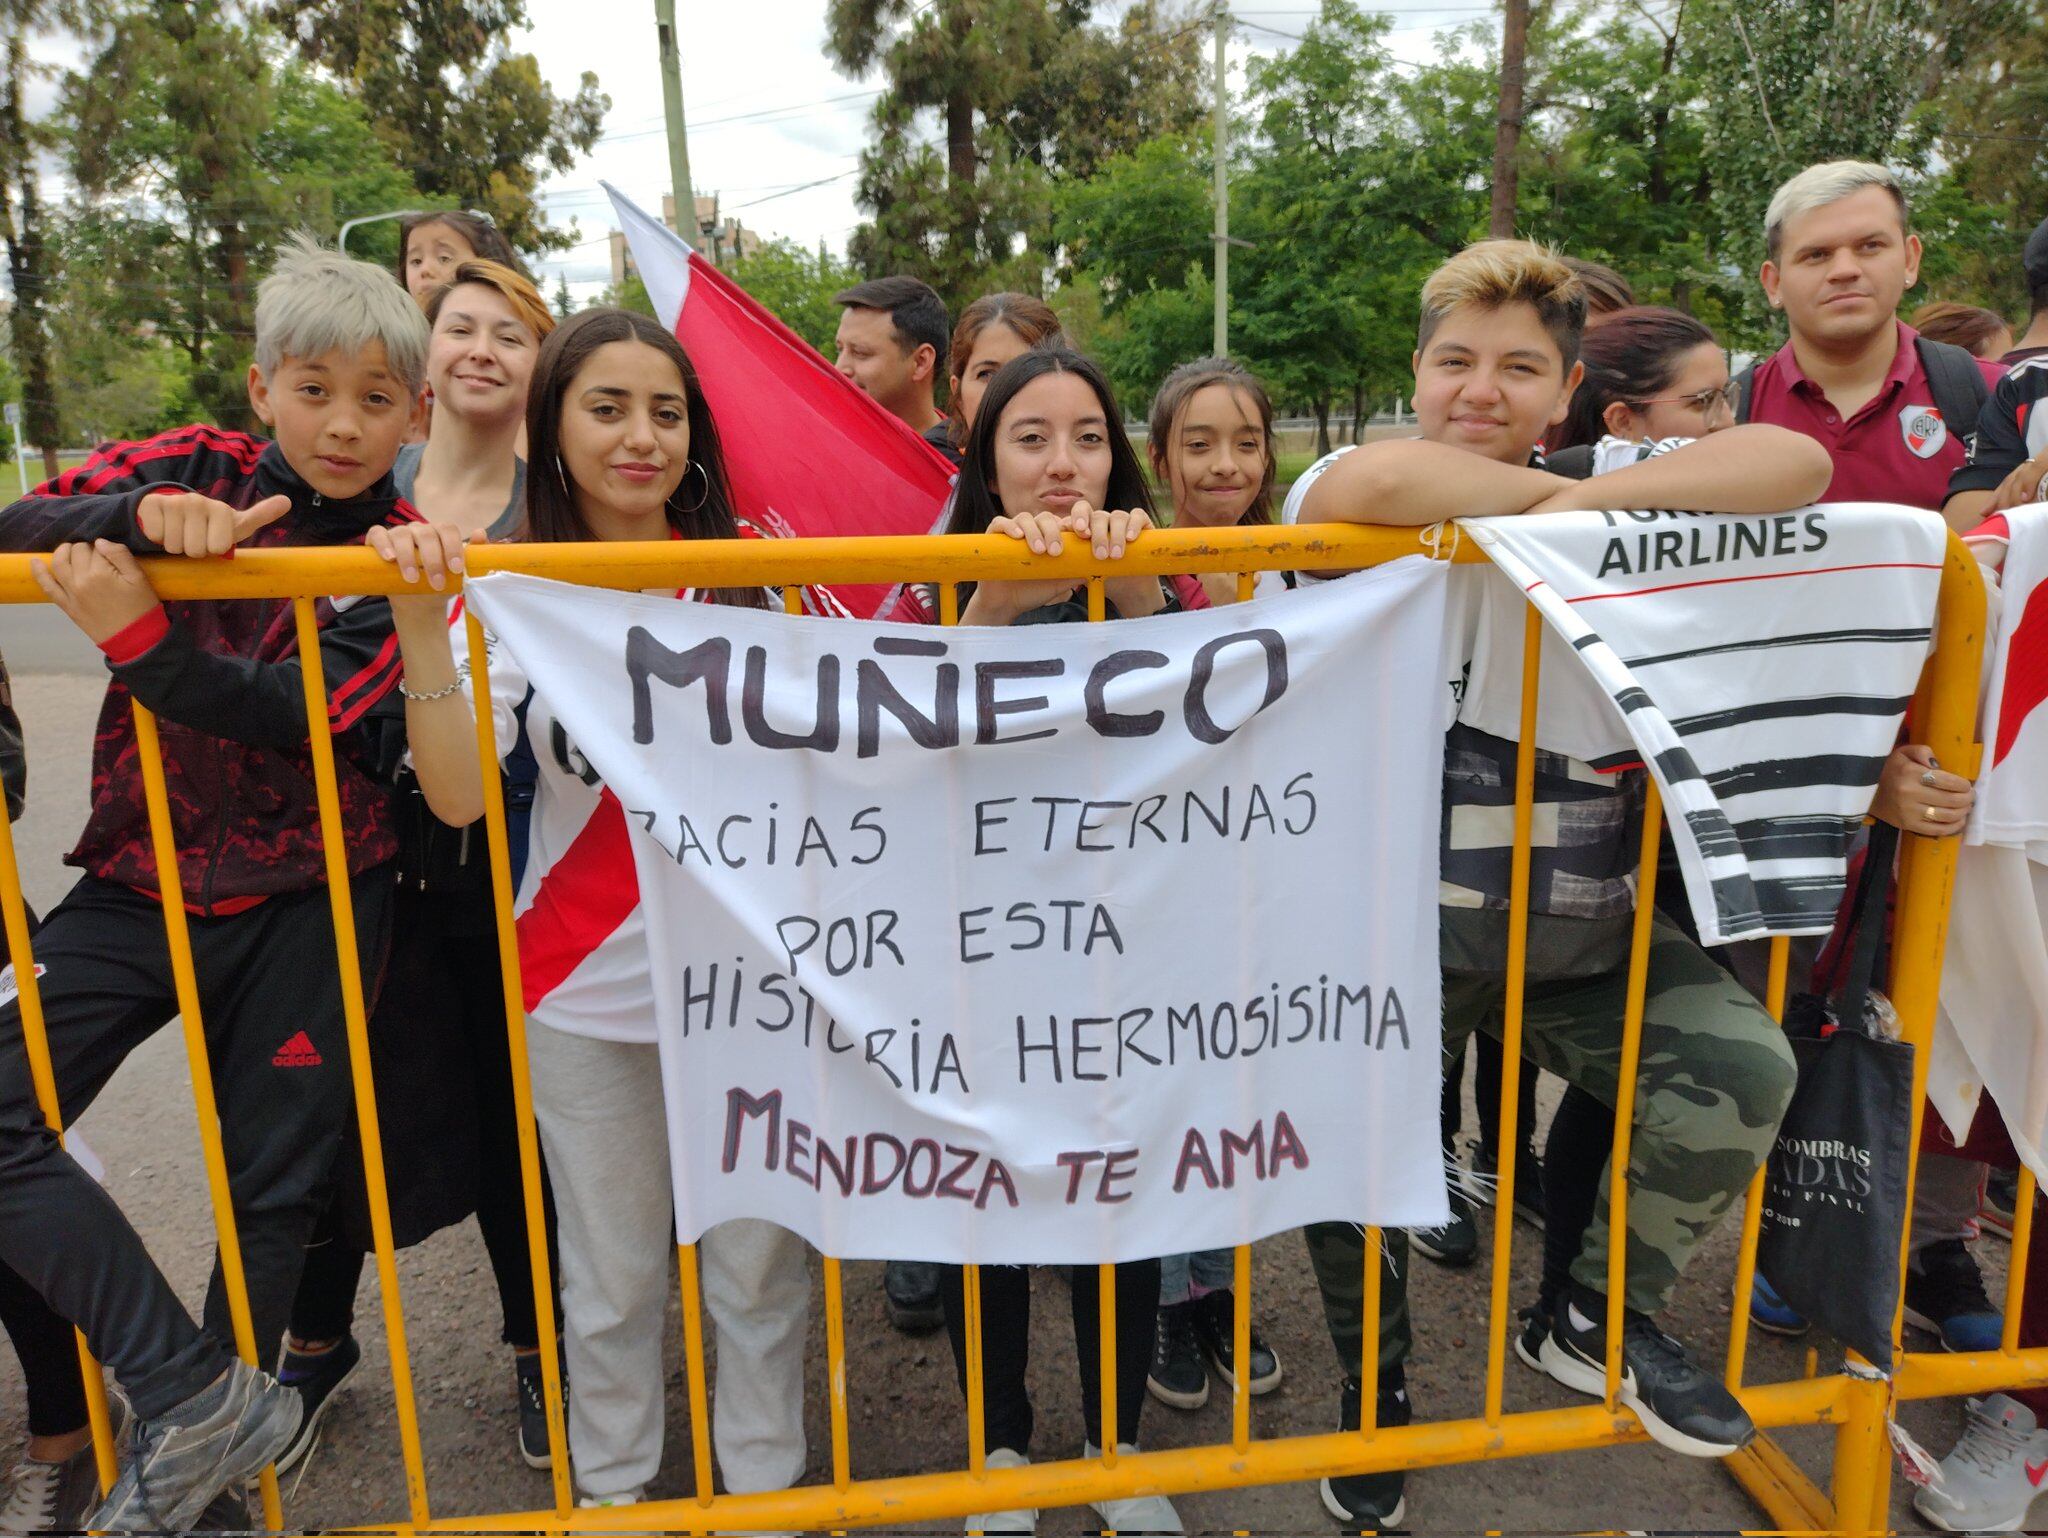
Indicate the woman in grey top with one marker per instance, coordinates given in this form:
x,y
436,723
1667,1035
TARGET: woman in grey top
x,y
488,326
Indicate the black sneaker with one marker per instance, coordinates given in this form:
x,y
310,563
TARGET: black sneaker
x,y
229,1513
1215,1319
911,1289
315,1376
1945,1296
219,1439
532,1389
1456,1243
1370,1503
1682,1406
1485,1168
1536,1323
1177,1376
51,1497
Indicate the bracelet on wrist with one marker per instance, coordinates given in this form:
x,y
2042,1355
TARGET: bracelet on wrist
x,y
430,694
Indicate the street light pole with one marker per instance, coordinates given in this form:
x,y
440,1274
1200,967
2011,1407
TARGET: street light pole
x,y
672,109
1221,339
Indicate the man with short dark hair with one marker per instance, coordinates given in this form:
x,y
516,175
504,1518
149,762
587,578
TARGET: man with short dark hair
x,y
2034,264
892,344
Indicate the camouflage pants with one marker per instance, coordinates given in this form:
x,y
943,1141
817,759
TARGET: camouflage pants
x,y
1713,1082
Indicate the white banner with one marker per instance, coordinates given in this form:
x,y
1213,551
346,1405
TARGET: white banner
x,y
1034,944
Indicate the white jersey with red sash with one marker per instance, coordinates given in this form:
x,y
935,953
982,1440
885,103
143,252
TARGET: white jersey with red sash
x,y
1993,1029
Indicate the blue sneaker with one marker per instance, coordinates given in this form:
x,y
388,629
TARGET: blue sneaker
x,y
1945,1297
1769,1312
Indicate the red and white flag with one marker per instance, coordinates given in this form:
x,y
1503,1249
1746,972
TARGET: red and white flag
x,y
1993,1026
807,452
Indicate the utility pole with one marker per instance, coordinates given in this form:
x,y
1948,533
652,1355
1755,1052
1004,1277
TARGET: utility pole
x,y
672,108
1222,235
1507,131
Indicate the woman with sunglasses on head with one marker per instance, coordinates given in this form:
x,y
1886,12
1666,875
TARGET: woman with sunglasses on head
x,y
1651,374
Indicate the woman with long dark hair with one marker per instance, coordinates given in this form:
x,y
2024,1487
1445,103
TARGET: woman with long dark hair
x,y
991,331
1048,460
623,448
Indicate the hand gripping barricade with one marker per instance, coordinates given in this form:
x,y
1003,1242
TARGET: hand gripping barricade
x,y
1856,1404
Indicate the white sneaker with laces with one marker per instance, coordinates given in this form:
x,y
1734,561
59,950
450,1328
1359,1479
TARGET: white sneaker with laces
x,y
1134,1513
1018,1521
1992,1475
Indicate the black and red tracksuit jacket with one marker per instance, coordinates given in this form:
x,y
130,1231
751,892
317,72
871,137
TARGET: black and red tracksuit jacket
x,y
224,679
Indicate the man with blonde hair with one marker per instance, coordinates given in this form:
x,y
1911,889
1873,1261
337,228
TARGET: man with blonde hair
x,y
1495,364
1896,412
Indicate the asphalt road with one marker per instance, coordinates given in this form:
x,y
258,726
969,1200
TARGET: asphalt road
x,y
906,1408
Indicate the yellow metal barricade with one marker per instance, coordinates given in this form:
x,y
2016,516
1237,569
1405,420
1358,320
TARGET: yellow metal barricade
x,y
1857,1499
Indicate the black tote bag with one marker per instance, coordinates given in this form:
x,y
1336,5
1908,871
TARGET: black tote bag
x,y
1835,1183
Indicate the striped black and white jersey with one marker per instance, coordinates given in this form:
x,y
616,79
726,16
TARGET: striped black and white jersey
x,y
1762,666
2012,427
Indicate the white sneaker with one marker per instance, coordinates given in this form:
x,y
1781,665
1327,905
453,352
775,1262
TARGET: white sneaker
x,y
1017,1521
631,1497
1992,1475
1134,1513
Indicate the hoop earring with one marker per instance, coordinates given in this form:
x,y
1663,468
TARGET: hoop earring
x,y
562,475
698,505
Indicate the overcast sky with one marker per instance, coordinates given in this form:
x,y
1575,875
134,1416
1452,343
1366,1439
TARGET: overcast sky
x,y
774,130
768,115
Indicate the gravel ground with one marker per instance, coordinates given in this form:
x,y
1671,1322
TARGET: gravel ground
x,y
906,1411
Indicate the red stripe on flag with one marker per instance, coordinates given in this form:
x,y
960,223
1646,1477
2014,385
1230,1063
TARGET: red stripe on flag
x,y
2026,673
582,900
1765,576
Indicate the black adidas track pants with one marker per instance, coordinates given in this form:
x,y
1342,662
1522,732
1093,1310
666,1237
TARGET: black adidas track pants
x,y
269,991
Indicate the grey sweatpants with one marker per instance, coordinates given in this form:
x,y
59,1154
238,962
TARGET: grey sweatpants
x,y
599,1106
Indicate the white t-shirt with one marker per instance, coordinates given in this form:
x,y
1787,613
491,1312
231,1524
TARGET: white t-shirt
x,y
582,938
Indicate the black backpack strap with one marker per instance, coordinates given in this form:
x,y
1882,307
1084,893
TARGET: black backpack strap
x,y
1956,383
1868,920
1745,387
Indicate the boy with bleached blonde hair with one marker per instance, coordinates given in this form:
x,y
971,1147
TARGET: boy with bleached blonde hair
x,y
1496,361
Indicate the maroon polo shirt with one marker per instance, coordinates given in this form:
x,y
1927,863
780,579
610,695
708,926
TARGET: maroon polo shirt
x,y
1896,449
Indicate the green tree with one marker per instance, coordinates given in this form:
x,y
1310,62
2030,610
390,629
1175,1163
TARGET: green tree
x,y
23,220
195,152
472,122
1793,82
797,286
1026,93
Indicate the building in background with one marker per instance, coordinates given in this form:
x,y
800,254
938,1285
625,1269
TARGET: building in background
x,y
723,240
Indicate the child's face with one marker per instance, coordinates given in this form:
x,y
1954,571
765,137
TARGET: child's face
x,y
340,418
480,360
625,440
1052,447
432,253
1492,382
1216,458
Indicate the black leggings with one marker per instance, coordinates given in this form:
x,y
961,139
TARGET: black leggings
x,y
45,1343
466,968
1574,1163
1006,1346
1486,1076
